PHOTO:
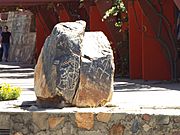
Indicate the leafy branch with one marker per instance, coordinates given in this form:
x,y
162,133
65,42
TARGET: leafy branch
x,y
118,9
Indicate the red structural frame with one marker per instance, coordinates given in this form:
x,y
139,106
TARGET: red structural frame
x,y
30,2
135,40
147,58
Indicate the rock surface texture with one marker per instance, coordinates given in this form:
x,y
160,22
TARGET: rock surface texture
x,y
74,67
96,72
78,123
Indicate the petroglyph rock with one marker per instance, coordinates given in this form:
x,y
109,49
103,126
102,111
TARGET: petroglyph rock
x,y
96,72
73,68
58,66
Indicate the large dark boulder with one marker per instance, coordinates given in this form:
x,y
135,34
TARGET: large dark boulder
x,y
74,68
58,66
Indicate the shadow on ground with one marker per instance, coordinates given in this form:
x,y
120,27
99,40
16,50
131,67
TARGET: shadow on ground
x,y
127,85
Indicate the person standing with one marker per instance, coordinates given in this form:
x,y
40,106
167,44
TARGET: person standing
x,y
6,42
1,48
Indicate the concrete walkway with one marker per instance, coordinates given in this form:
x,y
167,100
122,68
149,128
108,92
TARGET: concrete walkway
x,y
137,96
153,97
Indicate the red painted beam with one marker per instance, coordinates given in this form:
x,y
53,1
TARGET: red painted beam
x,y
44,26
30,2
135,40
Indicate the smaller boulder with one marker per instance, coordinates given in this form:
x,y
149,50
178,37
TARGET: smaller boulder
x,y
96,71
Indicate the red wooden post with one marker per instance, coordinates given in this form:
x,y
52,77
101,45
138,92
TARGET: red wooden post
x,y
42,32
135,39
44,27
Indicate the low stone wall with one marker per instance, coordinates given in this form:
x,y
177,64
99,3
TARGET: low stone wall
x,y
43,123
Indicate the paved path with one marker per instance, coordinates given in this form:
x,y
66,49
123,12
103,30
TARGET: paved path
x,y
147,96
129,96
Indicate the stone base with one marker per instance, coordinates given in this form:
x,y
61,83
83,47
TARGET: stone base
x,y
88,123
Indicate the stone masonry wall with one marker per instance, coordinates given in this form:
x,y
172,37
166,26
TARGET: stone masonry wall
x,y
23,47
43,123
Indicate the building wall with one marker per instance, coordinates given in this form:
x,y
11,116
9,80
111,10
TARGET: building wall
x,y
23,47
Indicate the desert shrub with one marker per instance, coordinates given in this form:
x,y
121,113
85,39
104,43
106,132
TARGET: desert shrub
x,y
7,92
